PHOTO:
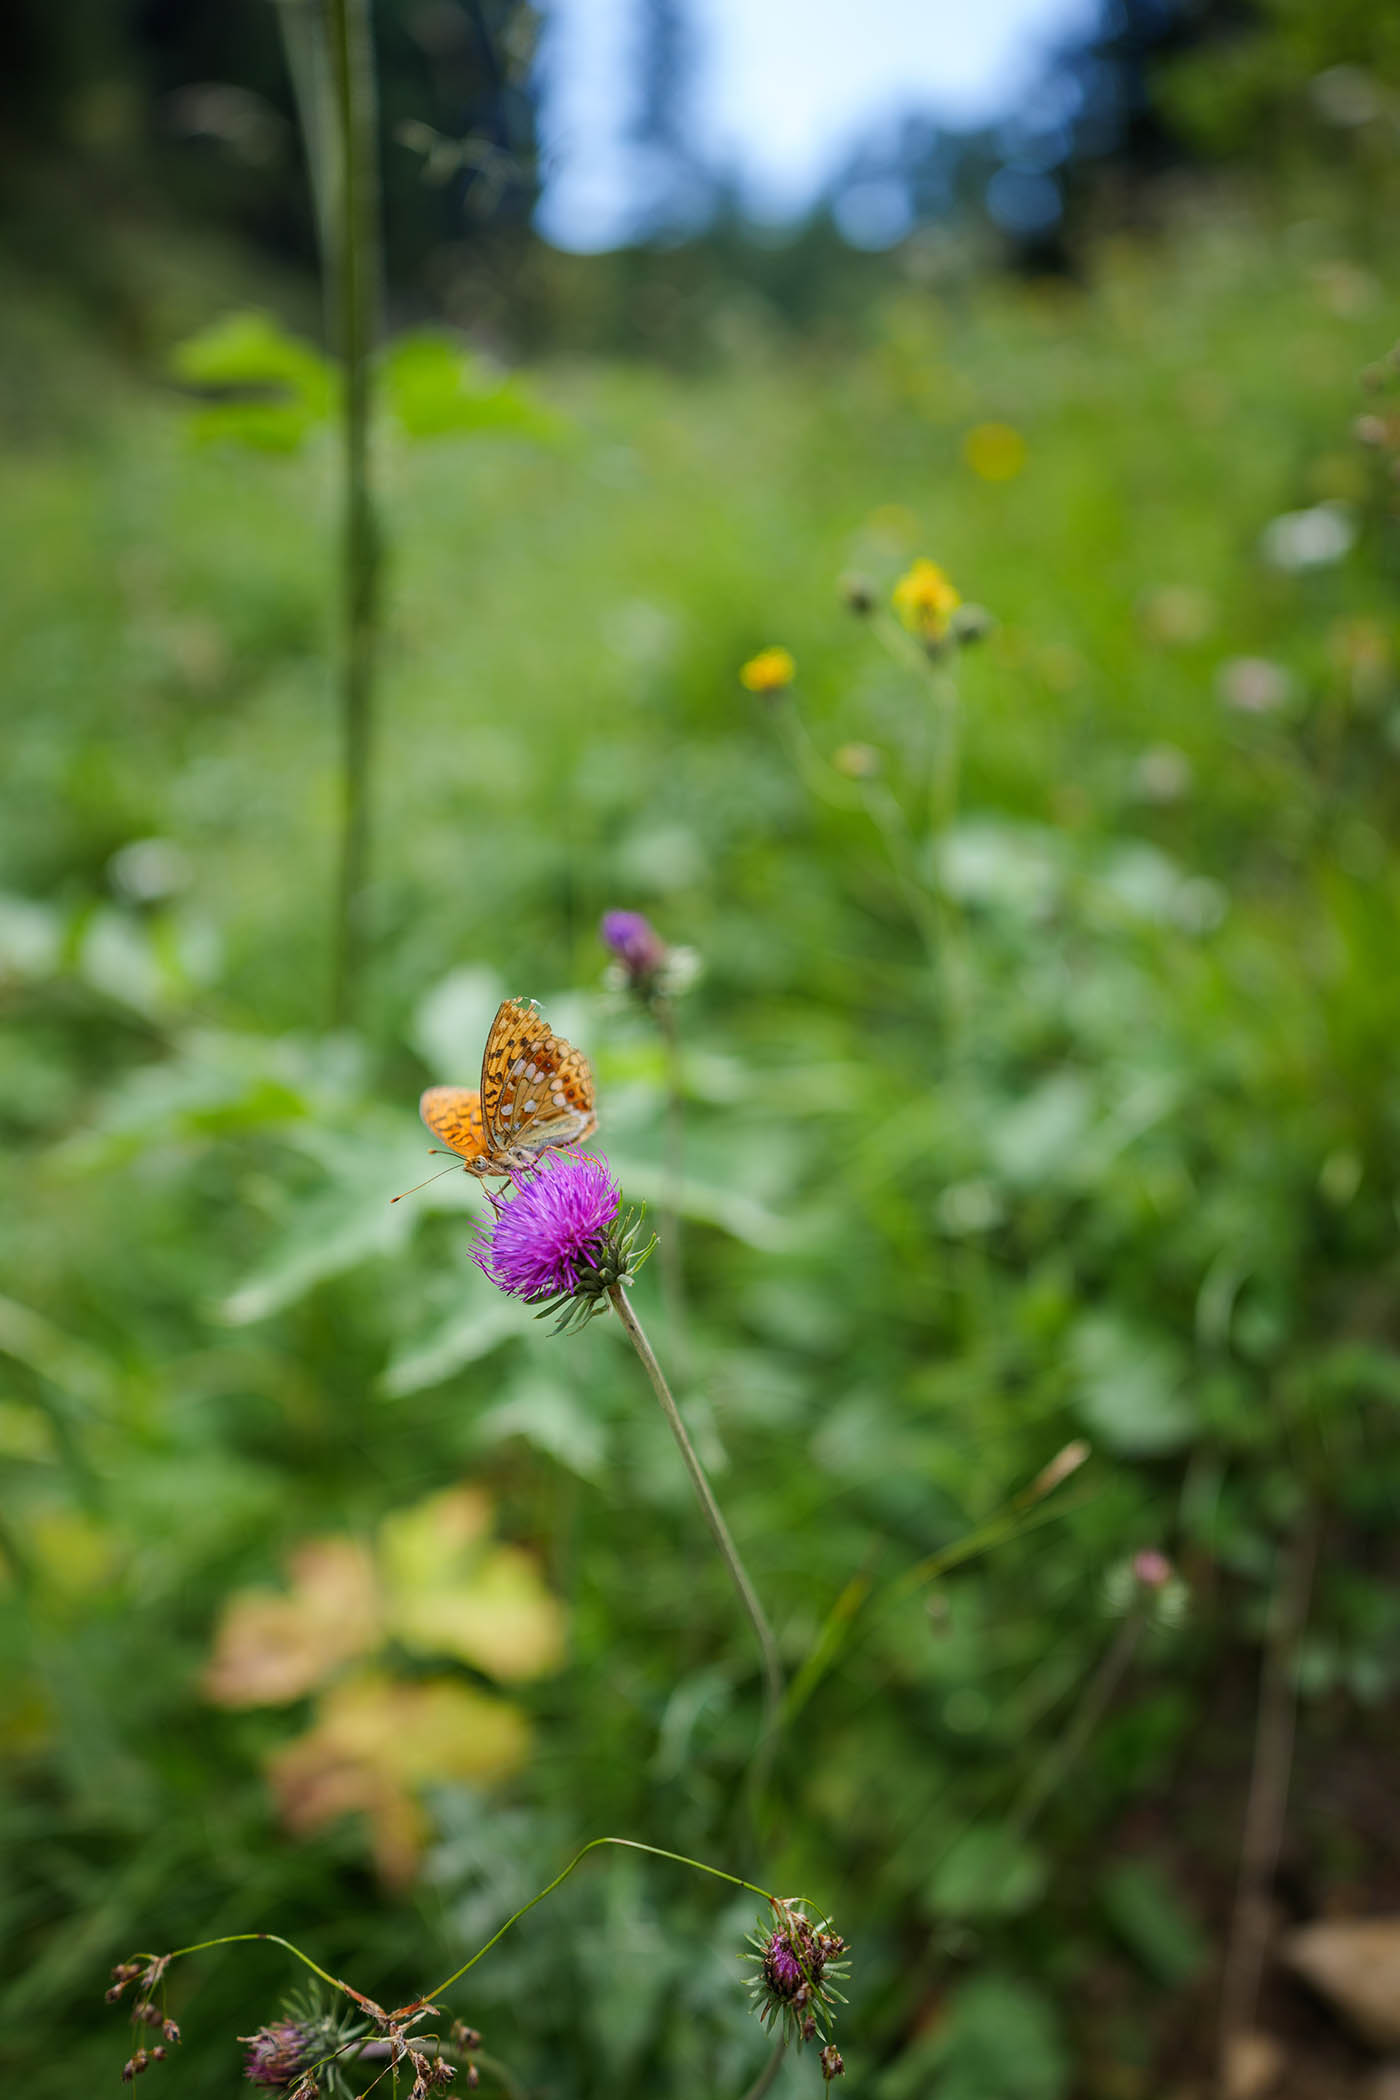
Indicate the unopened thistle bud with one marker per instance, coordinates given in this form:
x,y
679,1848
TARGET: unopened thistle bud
x,y
798,1963
286,2050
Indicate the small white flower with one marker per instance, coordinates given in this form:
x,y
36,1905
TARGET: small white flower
x,y
1309,539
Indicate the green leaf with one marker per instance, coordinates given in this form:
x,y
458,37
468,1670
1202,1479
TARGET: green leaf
x,y
988,1872
551,1416
435,388
487,1319
349,1220
1038,1142
1000,2041
741,1216
450,1021
1131,1387
273,388
1150,1919
72,1366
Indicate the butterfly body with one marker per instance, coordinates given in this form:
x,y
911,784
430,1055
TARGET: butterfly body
x,y
536,1093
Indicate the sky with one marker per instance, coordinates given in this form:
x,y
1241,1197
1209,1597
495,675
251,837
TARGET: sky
x,y
781,90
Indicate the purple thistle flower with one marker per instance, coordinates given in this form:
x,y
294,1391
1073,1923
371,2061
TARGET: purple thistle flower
x,y
635,942
278,2054
559,1221
559,1240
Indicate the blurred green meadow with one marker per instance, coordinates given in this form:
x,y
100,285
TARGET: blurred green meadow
x,y
1117,1163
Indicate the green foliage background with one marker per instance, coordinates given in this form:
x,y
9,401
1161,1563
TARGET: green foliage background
x,y
1140,1187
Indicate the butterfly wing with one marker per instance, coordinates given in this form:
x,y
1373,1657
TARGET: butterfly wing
x,y
536,1089
453,1114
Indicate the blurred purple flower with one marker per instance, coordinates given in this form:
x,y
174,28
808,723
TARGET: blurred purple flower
x,y
635,942
559,1221
278,2054
1152,1569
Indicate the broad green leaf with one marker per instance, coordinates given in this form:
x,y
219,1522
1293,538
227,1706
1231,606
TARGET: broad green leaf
x,y
477,1327
1151,1920
71,1366
274,387
550,1415
450,1021
1038,1141
741,1216
1131,1387
988,1872
435,388
1001,2040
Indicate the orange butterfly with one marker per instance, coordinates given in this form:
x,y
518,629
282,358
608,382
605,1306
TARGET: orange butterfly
x,y
536,1092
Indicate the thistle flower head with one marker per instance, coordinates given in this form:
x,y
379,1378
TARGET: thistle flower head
x,y
284,2055
280,2053
635,942
643,963
560,1241
797,1962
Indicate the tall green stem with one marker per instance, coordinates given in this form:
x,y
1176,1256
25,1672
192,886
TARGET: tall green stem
x,y
719,1530
672,1259
353,273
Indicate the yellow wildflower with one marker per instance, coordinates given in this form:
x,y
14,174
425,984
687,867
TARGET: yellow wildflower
x,y
925,600
769,671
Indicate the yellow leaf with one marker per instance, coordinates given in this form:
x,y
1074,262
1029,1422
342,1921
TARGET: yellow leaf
x,y
375,1741
450,1592
272,1647
502,1619
415,1543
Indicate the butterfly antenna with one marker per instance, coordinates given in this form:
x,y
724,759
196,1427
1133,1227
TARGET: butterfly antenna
x,y
423,1184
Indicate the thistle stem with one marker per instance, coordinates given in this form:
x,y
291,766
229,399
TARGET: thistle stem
x,y
719,1530
672,1259
1093,1705
353,272
764,2080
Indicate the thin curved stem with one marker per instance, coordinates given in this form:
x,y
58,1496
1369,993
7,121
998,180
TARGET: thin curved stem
x,y
629,1845
231,1939
770,2070
418,2006
719,1530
